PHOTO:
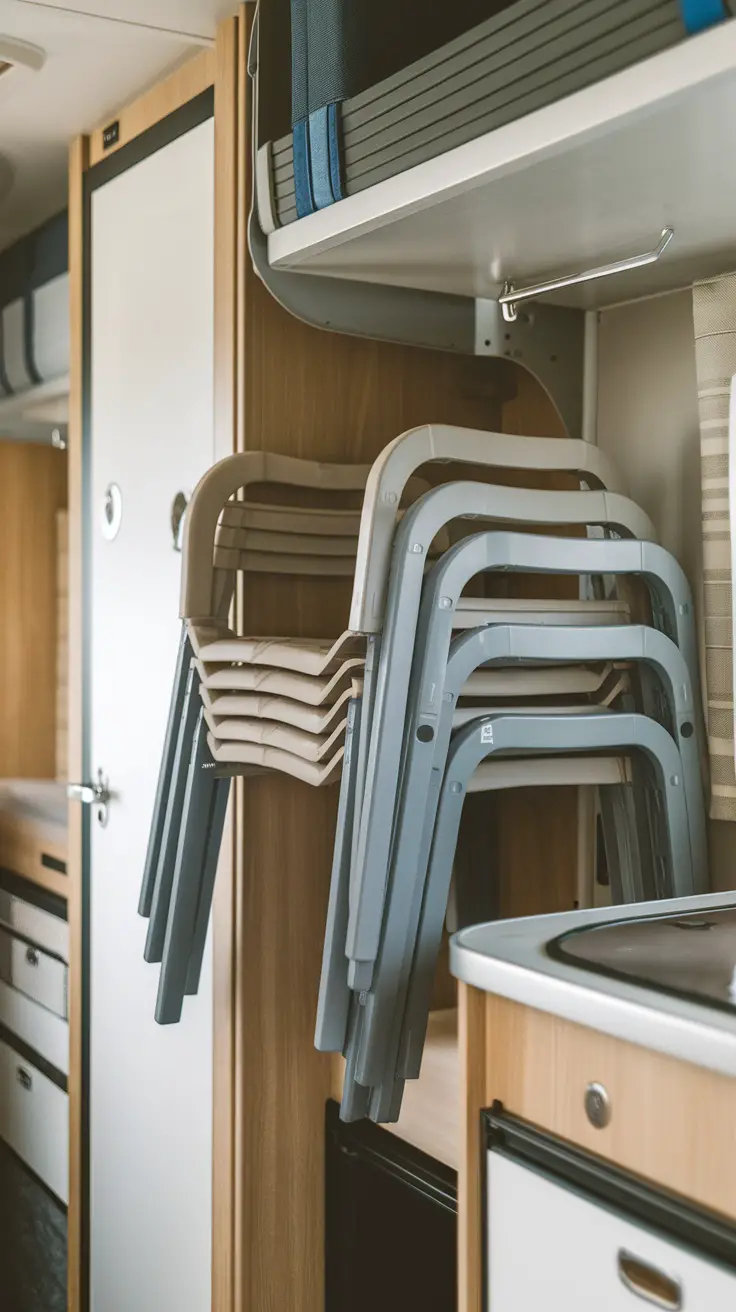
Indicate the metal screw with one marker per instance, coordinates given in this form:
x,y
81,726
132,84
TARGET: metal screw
x,y
445,603
417,548
390,498
598,1106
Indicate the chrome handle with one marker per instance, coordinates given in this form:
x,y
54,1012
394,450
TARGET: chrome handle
x,y
649,1283
97,795
511,296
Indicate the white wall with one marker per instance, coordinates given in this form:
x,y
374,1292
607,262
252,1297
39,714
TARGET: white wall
x,y
648,424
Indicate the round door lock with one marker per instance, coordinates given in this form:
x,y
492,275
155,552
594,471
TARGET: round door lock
x,y
598,1106
112,511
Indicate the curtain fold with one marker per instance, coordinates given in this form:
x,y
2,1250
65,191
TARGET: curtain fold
x,y
714,319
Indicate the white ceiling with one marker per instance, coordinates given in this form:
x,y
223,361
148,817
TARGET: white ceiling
x,y
99,55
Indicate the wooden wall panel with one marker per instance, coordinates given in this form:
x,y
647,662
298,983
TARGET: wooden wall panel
x,y
32,488
326,397
62,643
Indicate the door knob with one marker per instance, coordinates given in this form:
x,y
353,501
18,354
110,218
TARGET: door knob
x,y
96,795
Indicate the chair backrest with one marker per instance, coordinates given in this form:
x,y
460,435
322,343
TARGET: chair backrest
x,y
219,486
225,533
444,443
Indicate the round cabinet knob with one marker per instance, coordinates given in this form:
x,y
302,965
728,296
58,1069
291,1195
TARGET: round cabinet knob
x,y
597,1106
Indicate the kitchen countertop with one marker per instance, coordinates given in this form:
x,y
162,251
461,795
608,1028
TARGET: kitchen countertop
x,y
510,958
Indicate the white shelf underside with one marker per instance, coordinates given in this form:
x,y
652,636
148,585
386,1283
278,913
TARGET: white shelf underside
x,y
592,178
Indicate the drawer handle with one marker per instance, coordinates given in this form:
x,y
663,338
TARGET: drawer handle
x,y
32,956
24,1079
648,1283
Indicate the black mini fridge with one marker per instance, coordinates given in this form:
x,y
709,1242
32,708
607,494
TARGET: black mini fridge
x,y
391,1223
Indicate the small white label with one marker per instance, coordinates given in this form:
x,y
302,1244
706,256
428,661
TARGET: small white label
x,y
486,733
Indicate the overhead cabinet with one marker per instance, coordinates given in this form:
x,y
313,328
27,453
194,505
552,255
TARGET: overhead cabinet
x,y
34,307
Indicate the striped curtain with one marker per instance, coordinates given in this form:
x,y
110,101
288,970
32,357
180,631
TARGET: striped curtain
x,y
714,315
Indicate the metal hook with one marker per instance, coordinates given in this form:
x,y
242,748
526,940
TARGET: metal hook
x,y
511,297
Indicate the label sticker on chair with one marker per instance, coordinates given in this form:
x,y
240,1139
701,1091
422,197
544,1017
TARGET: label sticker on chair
x,y
486,733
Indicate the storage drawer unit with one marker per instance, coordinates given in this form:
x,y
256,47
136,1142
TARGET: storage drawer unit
x,y
565,1231
34,1119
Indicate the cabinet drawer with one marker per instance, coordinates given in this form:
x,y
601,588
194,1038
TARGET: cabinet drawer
x,y
40,976
551,1246
50,932
34,1120
35,1025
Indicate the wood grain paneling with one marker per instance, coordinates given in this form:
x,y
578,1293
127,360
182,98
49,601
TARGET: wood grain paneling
x,y
62,643
227,338
32,489
324,397
192,77
78,162
472,1061
672,1123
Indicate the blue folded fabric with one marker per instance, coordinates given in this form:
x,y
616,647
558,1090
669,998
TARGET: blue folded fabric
x,y
319,151
698,14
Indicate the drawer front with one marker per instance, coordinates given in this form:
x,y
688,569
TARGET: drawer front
x,y
34,1120
48,931
549,1246
36,1026
39,976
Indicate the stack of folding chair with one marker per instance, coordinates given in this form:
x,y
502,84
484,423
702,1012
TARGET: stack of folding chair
x,y
243,704
471,694
429,693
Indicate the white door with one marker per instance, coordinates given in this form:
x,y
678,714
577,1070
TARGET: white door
x,y
150,434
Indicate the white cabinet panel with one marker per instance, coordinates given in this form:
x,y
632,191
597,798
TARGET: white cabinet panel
x,y
34,1120
551,1248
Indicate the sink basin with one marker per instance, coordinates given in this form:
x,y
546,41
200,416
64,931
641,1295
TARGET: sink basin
x,y
690,956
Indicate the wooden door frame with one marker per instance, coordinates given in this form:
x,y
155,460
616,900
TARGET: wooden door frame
x,y
209,68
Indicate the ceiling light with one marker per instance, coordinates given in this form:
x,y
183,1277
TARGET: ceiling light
x,y
20,53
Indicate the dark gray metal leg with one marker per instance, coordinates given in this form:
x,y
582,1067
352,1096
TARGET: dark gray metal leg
x,y
185,890
168,753
334,994
153,950
218,810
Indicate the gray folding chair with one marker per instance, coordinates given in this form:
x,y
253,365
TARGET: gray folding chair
x,y
402,637
537,735
428,744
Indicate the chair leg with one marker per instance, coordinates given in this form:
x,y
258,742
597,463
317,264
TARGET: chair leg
x,y
172,824
183,661
185,889
215,829
334,994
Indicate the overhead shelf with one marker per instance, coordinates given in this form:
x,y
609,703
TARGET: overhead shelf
x,y
595,177
32,416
